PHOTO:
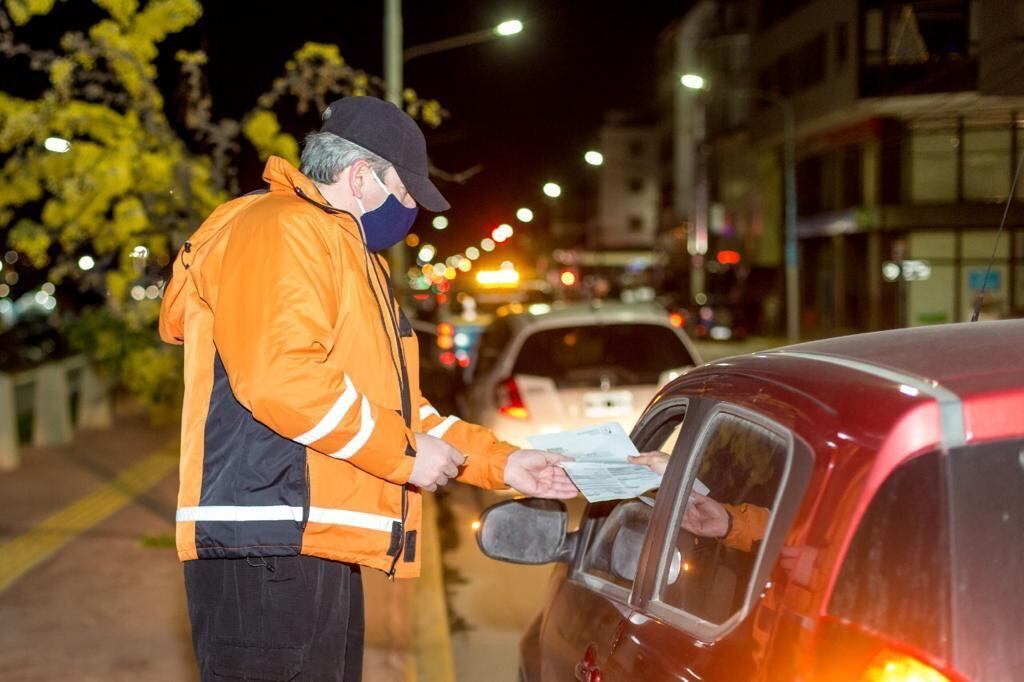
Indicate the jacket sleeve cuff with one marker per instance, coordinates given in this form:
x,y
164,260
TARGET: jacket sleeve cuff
x,y
385,453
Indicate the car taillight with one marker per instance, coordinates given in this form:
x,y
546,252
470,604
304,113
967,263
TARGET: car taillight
x,y
895,666
847,652
510,403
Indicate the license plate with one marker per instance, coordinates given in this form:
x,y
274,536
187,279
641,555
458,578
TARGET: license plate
x,y
607,403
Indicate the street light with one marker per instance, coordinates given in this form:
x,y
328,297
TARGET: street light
x,y
503,30
440,222
594,158
692,81
695,82
524,215
509,28
552,189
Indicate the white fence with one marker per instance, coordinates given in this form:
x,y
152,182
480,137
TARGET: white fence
x,y
46,394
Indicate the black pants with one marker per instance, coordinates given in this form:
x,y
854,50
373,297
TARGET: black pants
x,y
280,618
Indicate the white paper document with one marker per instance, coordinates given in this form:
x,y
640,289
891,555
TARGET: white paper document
x,y
601,470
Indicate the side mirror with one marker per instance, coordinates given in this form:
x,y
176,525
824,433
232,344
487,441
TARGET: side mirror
x,y
526,531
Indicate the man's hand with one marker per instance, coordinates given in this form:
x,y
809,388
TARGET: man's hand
x,y
705,517
436,463
655,461
536,473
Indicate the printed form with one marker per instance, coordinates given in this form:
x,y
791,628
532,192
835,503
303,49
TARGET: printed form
x,y
600,470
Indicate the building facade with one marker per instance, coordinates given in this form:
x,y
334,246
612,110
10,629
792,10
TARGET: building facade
x,y
909,126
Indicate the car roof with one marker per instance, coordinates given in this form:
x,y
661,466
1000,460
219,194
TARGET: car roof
x,y
591,313
965,358
945,384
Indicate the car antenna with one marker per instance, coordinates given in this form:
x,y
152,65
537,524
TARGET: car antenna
x,y
995,247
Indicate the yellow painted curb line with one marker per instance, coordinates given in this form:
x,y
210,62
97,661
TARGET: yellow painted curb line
x,y
431,634
25,552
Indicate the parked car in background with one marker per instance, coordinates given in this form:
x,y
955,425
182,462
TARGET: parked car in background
x,y
557,367
888,469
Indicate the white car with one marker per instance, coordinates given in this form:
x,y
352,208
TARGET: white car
x,y
551,368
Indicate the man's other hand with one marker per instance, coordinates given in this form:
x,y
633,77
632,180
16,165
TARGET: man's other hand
x,y
536,473
705,517
436,463
655,461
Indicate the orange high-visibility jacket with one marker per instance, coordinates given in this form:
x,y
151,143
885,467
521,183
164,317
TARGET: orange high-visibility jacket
x,y
293,438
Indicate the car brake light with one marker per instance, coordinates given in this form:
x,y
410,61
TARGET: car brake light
x,y
510,403
894,666
847,651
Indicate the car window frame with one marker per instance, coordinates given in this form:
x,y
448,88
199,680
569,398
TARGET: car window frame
x,y
643,430
680,476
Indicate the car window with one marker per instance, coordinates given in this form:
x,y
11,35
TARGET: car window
x,y
618,527
895,573
596,355
710,563
987,550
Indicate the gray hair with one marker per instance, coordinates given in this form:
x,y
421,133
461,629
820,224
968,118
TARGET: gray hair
x,y
325,156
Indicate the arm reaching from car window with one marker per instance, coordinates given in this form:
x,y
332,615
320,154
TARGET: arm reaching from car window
x,y
738,526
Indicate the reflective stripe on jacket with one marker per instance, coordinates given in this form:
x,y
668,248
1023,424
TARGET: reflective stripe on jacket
x,y
293,440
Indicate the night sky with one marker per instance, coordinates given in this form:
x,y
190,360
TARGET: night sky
x,y
525,107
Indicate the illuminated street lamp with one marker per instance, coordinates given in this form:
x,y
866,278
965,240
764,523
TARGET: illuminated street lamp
x,y
509,28
86,263
524,215
552,189
440,222
594,158
487,244
693,81
792,263
505,29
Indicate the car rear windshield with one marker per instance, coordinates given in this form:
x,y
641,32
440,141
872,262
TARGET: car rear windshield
x,y
938,522
589,355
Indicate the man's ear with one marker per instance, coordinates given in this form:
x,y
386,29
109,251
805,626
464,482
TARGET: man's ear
x,y
357,176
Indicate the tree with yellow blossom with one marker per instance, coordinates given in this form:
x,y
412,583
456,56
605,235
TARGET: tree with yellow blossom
x,y
97,187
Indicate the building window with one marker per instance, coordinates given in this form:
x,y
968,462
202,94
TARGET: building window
x,y
852,176
636,185
932,165
842,46
986,164
636,224
810,65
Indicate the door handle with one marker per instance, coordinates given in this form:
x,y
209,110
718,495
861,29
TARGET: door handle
x,y
586,670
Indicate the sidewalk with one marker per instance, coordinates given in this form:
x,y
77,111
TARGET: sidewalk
x,y
90,586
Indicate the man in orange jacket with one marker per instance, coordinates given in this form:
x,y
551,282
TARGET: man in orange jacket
x,y
305,439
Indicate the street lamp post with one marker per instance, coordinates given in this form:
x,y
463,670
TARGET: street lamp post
x,y
790,252
395,58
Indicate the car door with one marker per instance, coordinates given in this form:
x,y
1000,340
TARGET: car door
x,y
696,596
592,603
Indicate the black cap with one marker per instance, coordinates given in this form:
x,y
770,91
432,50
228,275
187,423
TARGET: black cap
x,y
391,134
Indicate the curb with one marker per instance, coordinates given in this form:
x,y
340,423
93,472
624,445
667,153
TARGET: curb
x,y
432,645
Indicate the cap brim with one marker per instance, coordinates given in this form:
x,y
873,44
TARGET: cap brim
x,y
423,190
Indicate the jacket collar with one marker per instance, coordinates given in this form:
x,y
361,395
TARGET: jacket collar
x,y
282,176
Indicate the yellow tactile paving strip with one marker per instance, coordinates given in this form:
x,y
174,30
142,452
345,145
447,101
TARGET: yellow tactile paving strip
x,y
21,554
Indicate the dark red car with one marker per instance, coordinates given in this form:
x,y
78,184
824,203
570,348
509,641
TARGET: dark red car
x,y
892,469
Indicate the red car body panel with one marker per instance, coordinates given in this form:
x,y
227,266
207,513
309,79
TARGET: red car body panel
x,y
846,399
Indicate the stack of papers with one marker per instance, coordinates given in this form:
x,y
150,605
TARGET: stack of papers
x,y
600,470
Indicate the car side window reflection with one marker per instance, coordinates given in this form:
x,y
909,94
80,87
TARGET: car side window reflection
x,y
711,560
620,526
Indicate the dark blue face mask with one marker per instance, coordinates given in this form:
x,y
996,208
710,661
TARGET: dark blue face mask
x,y
389,223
